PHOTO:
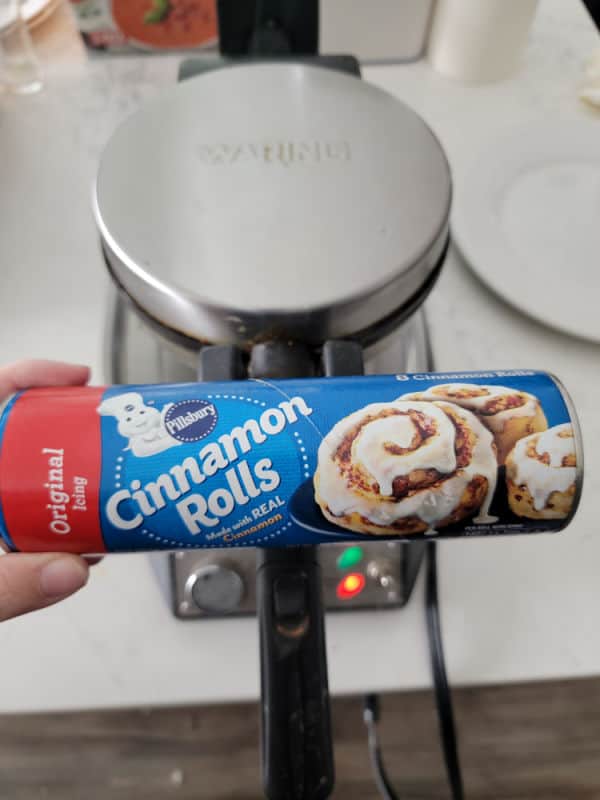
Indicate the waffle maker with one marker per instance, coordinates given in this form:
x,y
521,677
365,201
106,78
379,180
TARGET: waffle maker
x,y
272,215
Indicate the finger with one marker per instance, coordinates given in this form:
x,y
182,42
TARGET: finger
x,y
38,372
91,561
32,581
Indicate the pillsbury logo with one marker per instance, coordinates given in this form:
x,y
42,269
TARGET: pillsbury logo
x,y
191,420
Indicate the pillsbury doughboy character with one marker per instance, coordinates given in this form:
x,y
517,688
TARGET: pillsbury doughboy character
x,y
142,424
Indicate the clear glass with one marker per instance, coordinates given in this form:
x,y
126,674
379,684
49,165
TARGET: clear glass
x,y
19,68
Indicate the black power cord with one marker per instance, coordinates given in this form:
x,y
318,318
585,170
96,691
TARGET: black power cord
x,y
371,718
443,697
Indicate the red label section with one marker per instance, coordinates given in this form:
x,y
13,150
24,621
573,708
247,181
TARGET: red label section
x,y
50,467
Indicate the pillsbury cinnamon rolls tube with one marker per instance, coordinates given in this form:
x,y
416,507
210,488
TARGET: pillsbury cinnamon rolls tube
x,y
259,463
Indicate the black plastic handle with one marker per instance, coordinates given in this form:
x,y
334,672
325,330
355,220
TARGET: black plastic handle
x,y
297,755
297,751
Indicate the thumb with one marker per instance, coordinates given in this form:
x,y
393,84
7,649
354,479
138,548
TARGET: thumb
x,y
32,581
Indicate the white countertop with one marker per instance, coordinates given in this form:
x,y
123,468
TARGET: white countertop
x,y
513,609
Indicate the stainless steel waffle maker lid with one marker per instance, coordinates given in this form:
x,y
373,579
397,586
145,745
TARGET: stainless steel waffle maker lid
x,y
273,200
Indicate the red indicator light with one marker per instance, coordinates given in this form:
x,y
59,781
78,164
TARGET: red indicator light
x,y
350,586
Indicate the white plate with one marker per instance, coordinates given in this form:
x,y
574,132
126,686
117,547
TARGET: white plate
x,y
527,221
29,10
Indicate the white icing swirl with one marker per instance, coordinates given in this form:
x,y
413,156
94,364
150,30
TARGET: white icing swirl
x,y
383,450
478,400
436,452
542,479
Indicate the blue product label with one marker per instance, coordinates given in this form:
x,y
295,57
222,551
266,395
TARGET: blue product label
x,y
306,461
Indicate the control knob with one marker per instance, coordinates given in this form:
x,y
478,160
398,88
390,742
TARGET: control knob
x,y
216,588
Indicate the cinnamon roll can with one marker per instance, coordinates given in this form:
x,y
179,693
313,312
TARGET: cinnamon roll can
x,y
291,462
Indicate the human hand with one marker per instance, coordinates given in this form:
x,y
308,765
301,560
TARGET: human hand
x,y
29,581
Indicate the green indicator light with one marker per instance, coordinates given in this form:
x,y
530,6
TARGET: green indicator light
x,y
350,557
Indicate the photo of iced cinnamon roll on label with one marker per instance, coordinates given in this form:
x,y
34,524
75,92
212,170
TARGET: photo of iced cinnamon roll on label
x,y
509,414
406,467
541,473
